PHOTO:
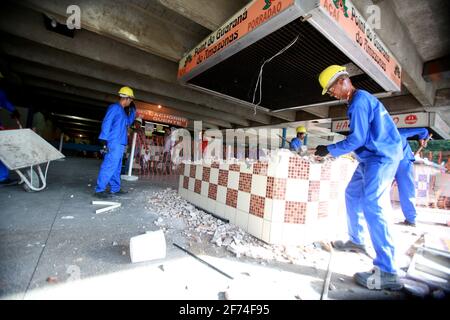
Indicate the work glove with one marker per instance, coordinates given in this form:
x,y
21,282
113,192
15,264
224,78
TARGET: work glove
x,y
104,145
321,151
15,115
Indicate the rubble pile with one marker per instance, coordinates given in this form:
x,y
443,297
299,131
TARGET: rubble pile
x,y
203,227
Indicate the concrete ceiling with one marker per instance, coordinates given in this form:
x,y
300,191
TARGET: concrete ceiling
x,y
428,24
139,43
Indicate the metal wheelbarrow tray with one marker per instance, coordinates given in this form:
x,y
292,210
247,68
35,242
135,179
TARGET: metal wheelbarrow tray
x,y
23,149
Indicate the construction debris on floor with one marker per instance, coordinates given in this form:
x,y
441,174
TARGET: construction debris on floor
x,y
203,227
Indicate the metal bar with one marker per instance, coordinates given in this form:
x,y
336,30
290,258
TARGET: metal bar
x,y
61,140
43,179
326,283
133,146
203,261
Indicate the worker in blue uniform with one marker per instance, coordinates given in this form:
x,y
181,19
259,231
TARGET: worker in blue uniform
x,y
6,104
405,174
377,145
114,139
300,140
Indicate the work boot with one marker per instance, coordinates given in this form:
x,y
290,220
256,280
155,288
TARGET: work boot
x,y
349,246
8,182
121,192
407,223
378,280
102,195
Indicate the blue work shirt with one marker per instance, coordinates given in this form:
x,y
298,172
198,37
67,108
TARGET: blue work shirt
x,y
408,133
4,103
115,124
296,143
373,134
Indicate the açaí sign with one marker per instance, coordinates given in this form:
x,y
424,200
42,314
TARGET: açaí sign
x,y
361,32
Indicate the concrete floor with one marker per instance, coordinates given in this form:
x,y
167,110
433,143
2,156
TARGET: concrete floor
x,y
87,256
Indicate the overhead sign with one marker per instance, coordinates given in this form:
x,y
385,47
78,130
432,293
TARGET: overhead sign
x,y
146,111
358,40
153,116
409,120
249,18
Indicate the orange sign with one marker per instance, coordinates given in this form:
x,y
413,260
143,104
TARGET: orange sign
x,y
246,20
358,29
410,120
153,116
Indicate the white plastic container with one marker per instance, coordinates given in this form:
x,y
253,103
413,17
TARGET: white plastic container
x,y
148,246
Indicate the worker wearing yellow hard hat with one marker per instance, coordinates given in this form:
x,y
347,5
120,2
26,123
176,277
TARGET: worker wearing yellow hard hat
x,y
126,92
328,76
113,137
300,140
377,144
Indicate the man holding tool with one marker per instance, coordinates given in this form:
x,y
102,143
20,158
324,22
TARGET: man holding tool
x,y
377,145
405,174
113,136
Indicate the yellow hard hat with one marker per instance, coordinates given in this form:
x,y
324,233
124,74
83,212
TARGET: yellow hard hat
x,y
329,75
301,129
126,92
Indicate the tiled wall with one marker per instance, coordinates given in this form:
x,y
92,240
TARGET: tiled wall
x,y
275,201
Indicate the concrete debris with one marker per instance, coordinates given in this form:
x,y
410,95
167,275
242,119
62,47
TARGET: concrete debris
x,y
148,246
71,195
110,206
159,222
115,244
52,280
200,226
67,217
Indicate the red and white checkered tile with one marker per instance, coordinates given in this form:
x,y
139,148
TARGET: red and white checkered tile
x,y
274,202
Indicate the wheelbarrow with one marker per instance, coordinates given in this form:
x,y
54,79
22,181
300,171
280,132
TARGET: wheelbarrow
x,y
24,151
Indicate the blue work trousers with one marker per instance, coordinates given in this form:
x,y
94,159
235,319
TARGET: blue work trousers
x,y
368,195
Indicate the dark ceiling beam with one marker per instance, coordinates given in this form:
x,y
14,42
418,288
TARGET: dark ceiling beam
x,y
27,24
